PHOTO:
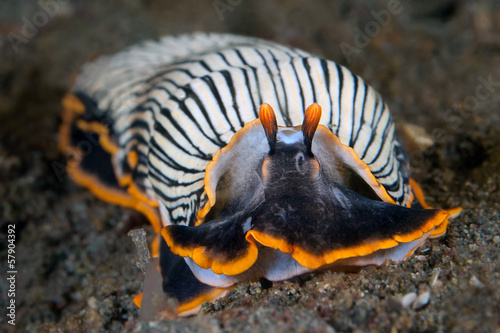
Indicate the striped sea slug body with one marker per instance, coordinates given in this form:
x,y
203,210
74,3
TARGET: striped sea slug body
x,y
249,158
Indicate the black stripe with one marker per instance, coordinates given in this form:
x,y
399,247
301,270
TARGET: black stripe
x,y
256,80
392,187
162,130
341,87
285,112
374,133
230,83
305,61
192,95
388,173
159,149
271,77
353,107
301,91
140,173
205,65
386,133
384,141
362,115
391,155
247,81
391,161
208,80
163,74
182,106
382,108
187,207
326,75
137,123
374,112
157,174
185,109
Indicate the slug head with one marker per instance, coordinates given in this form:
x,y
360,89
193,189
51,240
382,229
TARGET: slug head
x,y
290,166
267,163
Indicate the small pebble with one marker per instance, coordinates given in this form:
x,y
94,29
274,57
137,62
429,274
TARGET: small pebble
x,y
421,258
474,281
92,303
324,288
408,299
435,276
422,300
255,288
416,138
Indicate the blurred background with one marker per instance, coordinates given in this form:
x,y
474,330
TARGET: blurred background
x,y
437,65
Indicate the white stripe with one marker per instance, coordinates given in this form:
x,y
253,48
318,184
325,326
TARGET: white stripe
x,y
345,126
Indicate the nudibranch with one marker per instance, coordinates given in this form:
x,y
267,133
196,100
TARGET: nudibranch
x,y
250,159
